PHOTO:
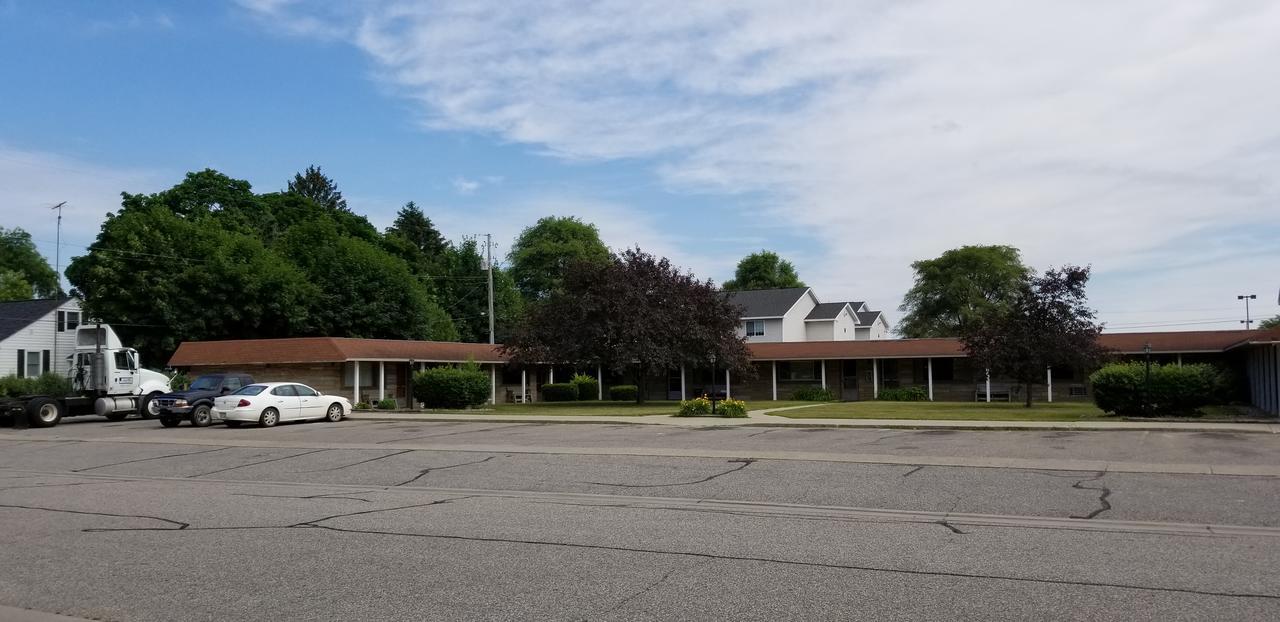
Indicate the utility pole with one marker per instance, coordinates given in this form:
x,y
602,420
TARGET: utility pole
x,y
57,270
1247,321
488,252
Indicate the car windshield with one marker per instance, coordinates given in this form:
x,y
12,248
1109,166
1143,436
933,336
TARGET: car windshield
x,y
252,389
206,383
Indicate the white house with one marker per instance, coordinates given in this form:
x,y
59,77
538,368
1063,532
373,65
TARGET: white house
x,y
796,314
37,336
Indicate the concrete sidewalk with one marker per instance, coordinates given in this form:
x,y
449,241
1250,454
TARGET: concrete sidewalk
x,y
763,418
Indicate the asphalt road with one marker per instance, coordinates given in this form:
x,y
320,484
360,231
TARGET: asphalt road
x,y
483,521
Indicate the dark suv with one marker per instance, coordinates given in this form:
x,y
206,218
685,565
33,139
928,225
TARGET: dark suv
x,y
195,403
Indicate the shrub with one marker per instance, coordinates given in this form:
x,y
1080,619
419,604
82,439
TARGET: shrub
x,y
49,383
361,406
813,394
451,387
1118,388
387,404
588,387
623,393
731,408
559,392
179,381
903,394
695,407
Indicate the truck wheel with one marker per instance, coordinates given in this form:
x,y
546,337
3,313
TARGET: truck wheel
x,y
146,409
334,413
233,424
170,422
44,412
116,416
201,416
269,418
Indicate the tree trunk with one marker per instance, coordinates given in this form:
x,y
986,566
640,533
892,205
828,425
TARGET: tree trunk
x,y
1026,388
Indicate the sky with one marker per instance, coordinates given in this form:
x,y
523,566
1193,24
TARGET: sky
x,y
853,138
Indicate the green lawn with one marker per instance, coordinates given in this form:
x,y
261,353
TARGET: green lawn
x,y
995,411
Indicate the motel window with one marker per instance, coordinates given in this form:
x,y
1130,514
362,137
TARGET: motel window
x,y
755,328
798,370
368,374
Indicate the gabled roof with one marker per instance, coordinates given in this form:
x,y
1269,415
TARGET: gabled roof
x,y
329,350
827,311
867,317
767,303
16,315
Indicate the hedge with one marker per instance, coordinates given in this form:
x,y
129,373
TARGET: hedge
x,y
49,383
903,394
387,404
559,392
1118,388
623,393
588,388
451,387
813,394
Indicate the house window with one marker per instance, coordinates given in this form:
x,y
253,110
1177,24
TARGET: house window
x,y
368,374
68,320
33,363
797,370
755,328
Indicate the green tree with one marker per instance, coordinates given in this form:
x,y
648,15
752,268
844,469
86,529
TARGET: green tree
x,y
763,270
1047,325
414,226
462,289
18,254
316,186
14,287
1273,322
635,313
961,285
542,255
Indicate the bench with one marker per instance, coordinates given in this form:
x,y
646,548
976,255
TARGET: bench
x,y
999,391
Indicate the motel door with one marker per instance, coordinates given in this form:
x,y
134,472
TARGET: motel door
x,y
849,381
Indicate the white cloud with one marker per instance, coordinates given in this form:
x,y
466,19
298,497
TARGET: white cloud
x,y
465,186
1127,135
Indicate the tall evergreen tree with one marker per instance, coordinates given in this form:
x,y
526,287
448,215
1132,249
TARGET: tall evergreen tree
x,y
316,186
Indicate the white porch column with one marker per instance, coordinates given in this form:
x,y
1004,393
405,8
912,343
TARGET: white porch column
x,y
875,378
382,380
929,369
551,375
357,381
1048,381
524,385
1179,359
493,384
727,394
988,370
823,363
775,381
600,382
682,392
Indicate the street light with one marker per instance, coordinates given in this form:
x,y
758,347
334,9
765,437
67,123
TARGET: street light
x,y
1146,384
713,383
1247,321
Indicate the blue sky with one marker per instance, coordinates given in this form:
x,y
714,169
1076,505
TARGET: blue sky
x,y
850,137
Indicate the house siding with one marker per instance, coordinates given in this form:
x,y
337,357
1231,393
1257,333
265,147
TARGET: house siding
x,y
823,330
40,336
793,322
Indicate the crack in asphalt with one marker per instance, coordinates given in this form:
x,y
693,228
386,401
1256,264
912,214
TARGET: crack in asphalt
x,y
745,462
648,588
180,525
403,451
424,472
410,438
330,495
314,451
1103,503
908,473
51,485
190,453
316,522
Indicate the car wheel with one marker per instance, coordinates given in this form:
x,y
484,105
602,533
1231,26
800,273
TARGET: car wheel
x,y
147,408
269,418
334,414
44,412
117,416
170,422
201,416
233,424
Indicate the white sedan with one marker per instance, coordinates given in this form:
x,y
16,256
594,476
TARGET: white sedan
x,y
269,403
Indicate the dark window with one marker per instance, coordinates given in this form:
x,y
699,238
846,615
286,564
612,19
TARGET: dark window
x,y
304,391
1064,372
944,370
253,389
231,383
205,383
285,390
797,370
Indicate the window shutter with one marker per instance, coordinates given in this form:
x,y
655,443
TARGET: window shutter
x,y
44,362
62,321
22,363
